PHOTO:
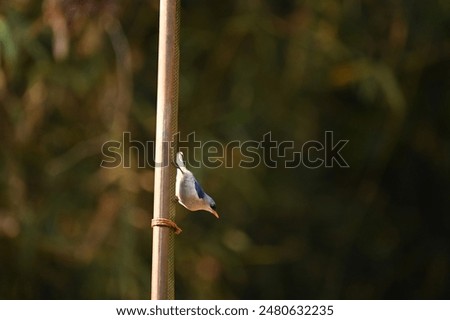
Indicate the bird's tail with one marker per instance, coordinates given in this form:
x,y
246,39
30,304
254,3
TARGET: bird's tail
x,y
179,161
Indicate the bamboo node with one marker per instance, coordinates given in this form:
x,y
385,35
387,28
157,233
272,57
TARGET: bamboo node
x,y
162,222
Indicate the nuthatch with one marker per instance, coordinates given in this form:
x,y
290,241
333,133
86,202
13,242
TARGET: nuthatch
x,y
189,192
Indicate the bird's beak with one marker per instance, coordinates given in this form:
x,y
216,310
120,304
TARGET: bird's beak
x,y
214,212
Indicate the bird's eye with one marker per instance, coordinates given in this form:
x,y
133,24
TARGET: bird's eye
x,y
213,206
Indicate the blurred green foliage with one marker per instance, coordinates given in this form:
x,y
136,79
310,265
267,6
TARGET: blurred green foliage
x,y
75,74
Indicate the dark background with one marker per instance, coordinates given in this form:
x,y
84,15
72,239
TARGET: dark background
x,y
75,74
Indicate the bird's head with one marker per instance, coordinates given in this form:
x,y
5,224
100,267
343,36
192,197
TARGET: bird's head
x,y
212,207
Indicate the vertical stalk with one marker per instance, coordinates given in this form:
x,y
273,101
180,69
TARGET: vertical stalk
x,y
166,128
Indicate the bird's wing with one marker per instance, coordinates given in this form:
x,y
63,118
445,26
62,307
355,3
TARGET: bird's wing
x,y
198,188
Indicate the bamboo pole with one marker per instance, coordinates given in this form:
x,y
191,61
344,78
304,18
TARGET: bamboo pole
x,y
166,127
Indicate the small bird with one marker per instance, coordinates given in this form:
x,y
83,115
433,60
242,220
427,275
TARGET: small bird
x,y
189,192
